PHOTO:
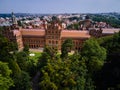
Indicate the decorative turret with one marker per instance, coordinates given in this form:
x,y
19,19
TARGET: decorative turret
x,y
96,32
87,23
55,25
14,21
45,24
53,35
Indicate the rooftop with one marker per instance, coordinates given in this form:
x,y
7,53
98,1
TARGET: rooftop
x,y
75,34
110,30
33,32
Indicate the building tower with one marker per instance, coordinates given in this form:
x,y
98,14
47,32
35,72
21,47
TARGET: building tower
x,y
13,33
87,22
14,21
53,35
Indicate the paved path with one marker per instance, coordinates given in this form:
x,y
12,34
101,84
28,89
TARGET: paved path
x,y
35,81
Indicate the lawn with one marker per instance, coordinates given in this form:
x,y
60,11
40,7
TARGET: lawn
x,y
34,56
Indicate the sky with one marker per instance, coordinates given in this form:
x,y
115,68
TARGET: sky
x,y
59,6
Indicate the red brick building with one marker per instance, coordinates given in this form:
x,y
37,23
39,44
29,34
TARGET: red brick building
x,y
52,35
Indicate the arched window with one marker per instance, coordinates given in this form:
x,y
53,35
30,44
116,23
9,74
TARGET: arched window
x,y
49,42
56,42
52,42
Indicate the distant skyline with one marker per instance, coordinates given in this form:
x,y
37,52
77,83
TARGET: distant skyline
x,y
59,6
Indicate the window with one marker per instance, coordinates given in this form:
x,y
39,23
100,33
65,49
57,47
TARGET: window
x,y
48,31
52,31
49,42
52,42
56,42
57,37
52,37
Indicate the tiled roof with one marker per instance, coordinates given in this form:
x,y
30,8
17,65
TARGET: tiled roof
x,y
110,30
75,34
33,32
65,33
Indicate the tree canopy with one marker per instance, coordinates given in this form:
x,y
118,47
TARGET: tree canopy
x,y
5,79
66,47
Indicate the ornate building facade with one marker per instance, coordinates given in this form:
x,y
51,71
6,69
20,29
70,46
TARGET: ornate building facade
x,y
52,35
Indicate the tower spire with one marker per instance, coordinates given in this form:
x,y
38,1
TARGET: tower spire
x,y
14,21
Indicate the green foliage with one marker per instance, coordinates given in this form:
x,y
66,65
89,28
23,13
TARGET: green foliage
x,y
22,59
36,57
66,47
64,75
19,23
16,61
5,79
112,44
54,18
110,20
81,71
75,26
7,55
75,18
32,63
114,47
22,82
1,28
89,84
26,49
57,75
14,67
6,49
78,67
103,40
50,51
110,73
43,59
93,54
48,54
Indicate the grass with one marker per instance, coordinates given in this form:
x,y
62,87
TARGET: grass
x,y
36,57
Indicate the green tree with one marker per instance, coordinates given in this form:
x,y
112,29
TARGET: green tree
x,y
57,75
14,59
48,53
54,18
5,79
1,28
22,81
22,60
6,49
78,67
66,47
110,20
26,49
110,73
94,56
19,23
7,54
